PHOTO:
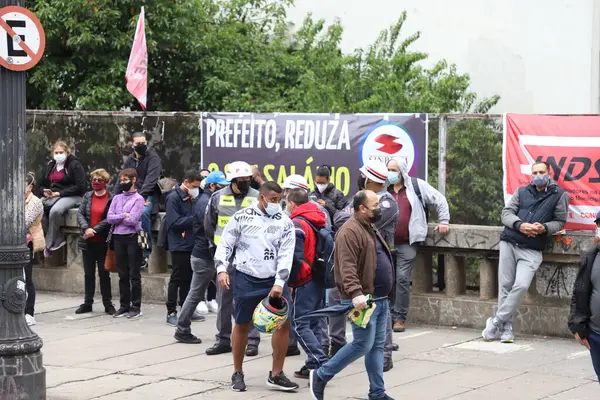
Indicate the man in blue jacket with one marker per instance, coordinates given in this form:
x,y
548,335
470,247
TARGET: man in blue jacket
x,y
179,222
203,265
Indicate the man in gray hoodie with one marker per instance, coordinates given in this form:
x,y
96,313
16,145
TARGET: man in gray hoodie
x,y
414,197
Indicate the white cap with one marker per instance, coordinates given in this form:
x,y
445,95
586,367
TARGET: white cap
x,y
238,169
375,171
295,182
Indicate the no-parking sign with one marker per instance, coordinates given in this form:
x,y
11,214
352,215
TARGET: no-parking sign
x,y
22,39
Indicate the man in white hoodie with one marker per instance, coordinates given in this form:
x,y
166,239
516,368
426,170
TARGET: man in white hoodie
x,y
261,240
414,197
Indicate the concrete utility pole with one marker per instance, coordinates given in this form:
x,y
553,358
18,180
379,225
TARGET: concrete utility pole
x,y
22,375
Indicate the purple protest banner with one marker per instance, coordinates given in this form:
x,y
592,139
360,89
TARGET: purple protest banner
x,y
284,144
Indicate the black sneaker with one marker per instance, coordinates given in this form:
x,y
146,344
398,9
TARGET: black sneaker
x,y
110,309
251,351
144,265
84,308
293,351
134,314
237,382
187,338
395,347
218,349
304,373
317,385
123,312
387,364
281,382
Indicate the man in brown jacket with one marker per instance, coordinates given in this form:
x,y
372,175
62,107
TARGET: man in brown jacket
x,y
363,266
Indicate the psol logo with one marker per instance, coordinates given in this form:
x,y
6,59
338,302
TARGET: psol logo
x,y
386,140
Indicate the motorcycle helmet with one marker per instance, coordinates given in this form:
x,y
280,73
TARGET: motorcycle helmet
x,y
270,314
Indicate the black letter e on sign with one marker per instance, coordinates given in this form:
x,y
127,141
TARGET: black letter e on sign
x,y
12,52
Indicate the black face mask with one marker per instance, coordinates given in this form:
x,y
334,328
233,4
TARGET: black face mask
x,y
141,148
254,184
362,181
124,187
376,215
243,186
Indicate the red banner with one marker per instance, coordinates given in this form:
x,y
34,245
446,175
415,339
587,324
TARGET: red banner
x,y
570,145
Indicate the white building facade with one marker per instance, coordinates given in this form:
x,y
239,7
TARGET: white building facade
x,y
540,56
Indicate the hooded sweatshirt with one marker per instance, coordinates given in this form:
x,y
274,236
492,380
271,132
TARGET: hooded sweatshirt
x,y
262,246
306,242
417,224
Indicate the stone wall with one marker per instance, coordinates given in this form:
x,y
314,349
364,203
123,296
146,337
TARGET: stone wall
x,y
542,313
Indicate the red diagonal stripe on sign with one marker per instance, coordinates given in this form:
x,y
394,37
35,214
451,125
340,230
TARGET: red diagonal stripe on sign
x,y
388,143
12,34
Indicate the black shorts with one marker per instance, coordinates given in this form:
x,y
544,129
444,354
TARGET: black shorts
x,y
248,292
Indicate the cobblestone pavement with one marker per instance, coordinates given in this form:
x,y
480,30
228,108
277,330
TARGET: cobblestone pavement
x,y
94,356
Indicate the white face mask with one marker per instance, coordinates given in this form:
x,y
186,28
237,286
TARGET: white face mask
x,y
193,192
322,187
598,231
272,208
60,158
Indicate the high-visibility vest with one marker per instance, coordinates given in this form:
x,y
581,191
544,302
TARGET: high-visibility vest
x,y
225,210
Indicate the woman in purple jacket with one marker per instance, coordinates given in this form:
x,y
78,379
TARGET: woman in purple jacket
x,y
125,214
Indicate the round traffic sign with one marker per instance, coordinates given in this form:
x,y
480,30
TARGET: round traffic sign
x,y
22,39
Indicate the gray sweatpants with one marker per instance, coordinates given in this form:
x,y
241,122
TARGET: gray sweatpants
x,y
55,218
516,269
225,313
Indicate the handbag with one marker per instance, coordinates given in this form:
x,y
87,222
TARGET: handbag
x,y
110,262
142,240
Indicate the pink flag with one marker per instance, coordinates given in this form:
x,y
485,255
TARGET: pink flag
x,y
137,68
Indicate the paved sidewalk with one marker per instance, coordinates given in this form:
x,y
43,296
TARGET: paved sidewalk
x,y
97,357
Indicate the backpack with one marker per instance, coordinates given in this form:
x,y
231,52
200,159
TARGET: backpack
x,y
417,189
322,266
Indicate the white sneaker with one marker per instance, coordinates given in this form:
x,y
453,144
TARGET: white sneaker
x,y
213,306
507,334
29,319
202,308
491,331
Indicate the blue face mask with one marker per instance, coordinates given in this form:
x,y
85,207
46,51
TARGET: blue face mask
x,y
540,180
393,177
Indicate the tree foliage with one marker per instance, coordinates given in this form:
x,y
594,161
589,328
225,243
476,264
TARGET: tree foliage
x,y
243,55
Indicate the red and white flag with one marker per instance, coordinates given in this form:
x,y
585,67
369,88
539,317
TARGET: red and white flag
x,y
137,68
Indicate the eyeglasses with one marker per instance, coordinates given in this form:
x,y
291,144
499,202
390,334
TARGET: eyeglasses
x,y
97,180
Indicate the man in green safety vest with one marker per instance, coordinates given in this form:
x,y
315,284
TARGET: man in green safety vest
x,y
221,207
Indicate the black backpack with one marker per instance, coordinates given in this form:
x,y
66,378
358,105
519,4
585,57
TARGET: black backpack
x,y
322,266
415,183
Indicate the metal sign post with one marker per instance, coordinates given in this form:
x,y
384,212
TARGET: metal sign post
x,y
21,46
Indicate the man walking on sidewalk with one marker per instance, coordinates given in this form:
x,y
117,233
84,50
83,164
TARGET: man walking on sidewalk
x,y
363,266
308,295
203,267
221,207
261,241
534,213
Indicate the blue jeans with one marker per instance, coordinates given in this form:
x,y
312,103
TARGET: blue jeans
x,y
306,299
594,341
147,224
366,342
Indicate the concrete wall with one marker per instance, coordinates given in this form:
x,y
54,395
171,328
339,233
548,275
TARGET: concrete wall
x,y
540,56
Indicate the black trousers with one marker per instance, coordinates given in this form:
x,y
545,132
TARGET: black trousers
x,y
181,278
94,257
129,262
211,292
29,286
